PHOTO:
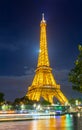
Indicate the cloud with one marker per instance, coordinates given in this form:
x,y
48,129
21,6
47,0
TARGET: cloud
x,y
61,76
29,71
15,86
9,47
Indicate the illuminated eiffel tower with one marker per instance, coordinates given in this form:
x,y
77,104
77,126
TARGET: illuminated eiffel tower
x,y
44,84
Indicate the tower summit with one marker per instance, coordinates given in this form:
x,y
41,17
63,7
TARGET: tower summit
x,y
43,18
44,84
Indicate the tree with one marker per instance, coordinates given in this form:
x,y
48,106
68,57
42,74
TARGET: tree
x,y
75,75
1,97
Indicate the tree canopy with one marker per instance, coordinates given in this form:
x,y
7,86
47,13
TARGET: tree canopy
x,y
1,97
75,75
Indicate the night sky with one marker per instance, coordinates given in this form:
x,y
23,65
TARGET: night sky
x,y
19,42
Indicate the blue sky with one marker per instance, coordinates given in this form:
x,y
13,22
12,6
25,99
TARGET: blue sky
x,y
19,42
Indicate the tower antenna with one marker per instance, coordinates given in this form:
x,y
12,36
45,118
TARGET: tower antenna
x,y
42,16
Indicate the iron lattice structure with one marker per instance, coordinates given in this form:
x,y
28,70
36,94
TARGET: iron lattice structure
x,y
44,84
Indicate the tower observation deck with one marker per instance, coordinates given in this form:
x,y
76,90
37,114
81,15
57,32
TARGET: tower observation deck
x,y
44,84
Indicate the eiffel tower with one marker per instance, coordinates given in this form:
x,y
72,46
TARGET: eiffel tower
x,y
44,84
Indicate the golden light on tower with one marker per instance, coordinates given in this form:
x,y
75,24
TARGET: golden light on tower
x,y
44,84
